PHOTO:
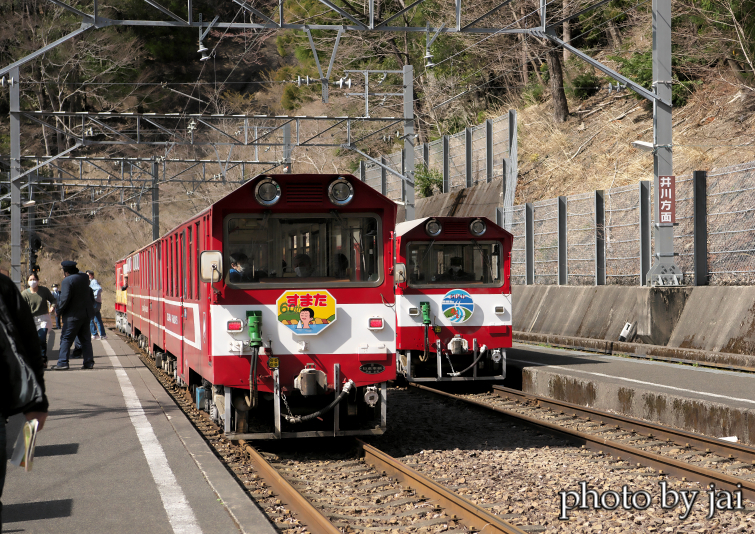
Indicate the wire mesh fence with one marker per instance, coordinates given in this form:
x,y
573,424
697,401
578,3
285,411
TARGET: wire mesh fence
x,y
436,156
479,155
373,175
622,235
457,161
500,143
546,241
516,214
392,181
580,239
731,225
684,231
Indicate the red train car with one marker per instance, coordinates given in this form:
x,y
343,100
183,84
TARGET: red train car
x,y
453,299
274,305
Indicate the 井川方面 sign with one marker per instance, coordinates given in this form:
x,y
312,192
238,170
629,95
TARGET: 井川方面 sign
x,y
667,199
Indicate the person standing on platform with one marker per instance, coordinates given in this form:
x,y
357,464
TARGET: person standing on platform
x,y
97,320
40,301
77,309
20,325
56,296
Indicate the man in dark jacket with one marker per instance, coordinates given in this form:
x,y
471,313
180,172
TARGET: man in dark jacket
x,y
28,345
77,308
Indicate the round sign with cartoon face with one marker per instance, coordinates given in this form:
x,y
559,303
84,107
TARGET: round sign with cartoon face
x,y
457,306
306,312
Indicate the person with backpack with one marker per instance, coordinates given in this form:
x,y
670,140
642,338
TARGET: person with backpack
x,y
77,308
22,386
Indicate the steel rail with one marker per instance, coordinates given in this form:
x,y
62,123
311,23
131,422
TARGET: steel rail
x,y
635,425
308,514
462,509
665,465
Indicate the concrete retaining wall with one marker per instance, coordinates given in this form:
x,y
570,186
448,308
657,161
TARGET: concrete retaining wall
x,y
599,312
709,418
711,319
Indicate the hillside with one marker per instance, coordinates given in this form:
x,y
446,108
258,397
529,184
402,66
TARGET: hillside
x,y
713,117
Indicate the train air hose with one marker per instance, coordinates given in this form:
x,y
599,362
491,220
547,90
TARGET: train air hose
x,y
426,354
339,398
479,356
253,377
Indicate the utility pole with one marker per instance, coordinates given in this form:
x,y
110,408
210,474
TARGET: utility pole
x,y
15,182
664,270
409,140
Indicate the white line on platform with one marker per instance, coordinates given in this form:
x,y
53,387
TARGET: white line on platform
x,y
674,388
179,512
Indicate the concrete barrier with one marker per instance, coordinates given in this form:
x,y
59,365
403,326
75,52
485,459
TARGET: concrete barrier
x,y
709,418
598,312
678,322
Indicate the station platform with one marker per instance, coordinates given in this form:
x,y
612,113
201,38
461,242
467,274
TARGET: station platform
x,y
117,455
714,402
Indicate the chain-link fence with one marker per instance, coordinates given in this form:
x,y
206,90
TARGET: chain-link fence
x,y
684,231
731,225
622,235
580,239
518,252
457,161
500,128
546,241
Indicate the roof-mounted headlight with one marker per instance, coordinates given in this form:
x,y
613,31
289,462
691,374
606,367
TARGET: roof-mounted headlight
x,y
477,227
340,192
433,228
267,192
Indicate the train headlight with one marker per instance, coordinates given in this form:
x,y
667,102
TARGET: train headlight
x,y
267,192
433,228
340,192
413,311
477,227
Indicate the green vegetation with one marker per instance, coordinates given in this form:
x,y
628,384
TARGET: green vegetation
x,y
427,181
584,86
639,68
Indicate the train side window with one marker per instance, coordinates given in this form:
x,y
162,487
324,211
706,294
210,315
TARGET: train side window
x,y
184,264
189,270
172,268
196,257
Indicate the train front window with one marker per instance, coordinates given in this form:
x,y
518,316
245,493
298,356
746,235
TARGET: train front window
x,y
454,264
289,249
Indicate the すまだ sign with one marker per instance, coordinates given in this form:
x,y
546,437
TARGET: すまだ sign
x,y
306,312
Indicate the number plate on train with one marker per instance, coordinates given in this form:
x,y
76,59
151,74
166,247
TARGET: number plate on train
x,y
372,368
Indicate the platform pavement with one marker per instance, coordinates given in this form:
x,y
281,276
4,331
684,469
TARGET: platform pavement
x,y
116,455
714,402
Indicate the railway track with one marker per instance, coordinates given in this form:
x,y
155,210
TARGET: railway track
x,y
728,465
356,488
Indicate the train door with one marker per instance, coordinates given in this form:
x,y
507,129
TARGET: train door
x,y
173,305
191,299
160,295
183,289
154,322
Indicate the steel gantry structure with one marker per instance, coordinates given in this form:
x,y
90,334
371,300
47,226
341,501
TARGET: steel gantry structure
x,y
664,271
